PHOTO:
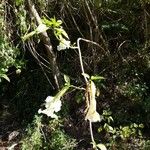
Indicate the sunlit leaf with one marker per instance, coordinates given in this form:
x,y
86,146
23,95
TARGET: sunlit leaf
x,y
67,79
101,146
5,77
41,28
65,34
27,36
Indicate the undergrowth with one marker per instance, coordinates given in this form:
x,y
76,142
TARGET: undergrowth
x,y
49,137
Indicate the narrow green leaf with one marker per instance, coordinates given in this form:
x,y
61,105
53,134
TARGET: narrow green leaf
x,y
97,78
65,34
27,36
67,79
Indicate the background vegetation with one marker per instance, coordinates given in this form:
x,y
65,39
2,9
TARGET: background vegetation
x,y
122,30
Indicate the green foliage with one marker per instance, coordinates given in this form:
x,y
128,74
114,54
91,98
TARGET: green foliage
x,y
59,32
21,20
130,131
133,90
8,52
97,78
125,133
121,30
33,138
53,23
59,139
146,145
79,97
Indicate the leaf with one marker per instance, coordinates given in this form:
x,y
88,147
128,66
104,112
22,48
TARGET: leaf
x,y
59,22
92,115
86,75
101,146
41,28
141,126
5,77
97,78
47,22
67,79
65,34
110,119
27,36
18,2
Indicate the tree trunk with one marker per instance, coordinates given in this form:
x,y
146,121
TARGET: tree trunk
x,y
49,49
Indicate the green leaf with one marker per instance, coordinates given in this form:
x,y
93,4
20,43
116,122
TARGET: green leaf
x,y
27,36
47,22
135,125
67,79
19,2
59,22
5,77
97,78
65,34
100,129
110,119
101,146
141,126
108,128
61,31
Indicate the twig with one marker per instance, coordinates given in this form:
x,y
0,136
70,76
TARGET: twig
x,y
78,88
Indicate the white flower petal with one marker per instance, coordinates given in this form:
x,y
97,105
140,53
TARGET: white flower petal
x,y
49,99
57,105
39,111
52,105
64,44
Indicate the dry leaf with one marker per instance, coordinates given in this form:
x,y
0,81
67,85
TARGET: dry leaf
x,y
92,115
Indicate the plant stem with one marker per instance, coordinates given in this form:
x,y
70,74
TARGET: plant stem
x,y
91,132
86,81
80,57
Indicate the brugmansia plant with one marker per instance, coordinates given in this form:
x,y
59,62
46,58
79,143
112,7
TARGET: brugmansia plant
x,y
53,103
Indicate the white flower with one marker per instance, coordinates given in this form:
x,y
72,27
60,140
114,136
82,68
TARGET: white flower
x,y
52,105
64,44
